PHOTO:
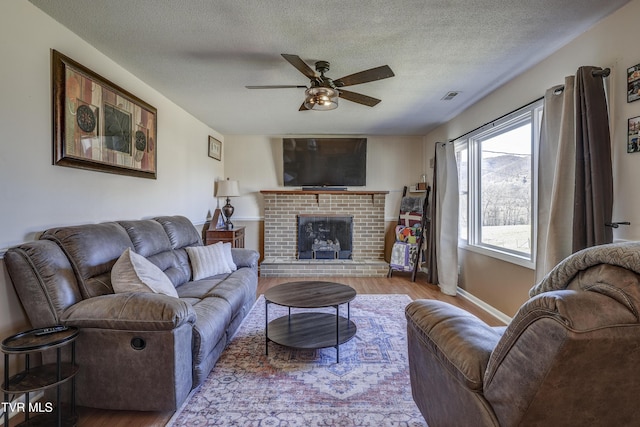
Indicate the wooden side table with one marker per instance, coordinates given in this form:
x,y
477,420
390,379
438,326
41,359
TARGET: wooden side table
x,y
235,236
42,377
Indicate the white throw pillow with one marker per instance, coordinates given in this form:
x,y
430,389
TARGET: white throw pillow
x,y
226,249
207,261
134,273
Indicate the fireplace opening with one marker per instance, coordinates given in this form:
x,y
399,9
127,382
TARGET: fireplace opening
x,y
325,237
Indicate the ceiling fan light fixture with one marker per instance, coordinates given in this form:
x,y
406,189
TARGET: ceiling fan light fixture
x,y
323,94
321,98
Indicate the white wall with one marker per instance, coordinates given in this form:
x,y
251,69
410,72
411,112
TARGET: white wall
x,y
611,43
34,194
256,161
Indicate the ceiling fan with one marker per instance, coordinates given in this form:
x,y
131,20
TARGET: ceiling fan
x,y
324,92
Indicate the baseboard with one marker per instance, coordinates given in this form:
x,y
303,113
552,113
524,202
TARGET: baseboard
x,y
484,306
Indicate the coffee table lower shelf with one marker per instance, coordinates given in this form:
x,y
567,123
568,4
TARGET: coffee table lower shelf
x,y
310,331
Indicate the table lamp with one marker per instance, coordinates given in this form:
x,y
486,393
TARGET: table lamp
x,y
228,188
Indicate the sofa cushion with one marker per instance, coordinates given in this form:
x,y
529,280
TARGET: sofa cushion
x,y
213,317
92,250
182,234
233,288
144,311
180,230
207,261
42,274
134,273
152,242
148,237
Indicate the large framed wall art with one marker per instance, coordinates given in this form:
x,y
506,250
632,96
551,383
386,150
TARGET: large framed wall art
x,y
97,125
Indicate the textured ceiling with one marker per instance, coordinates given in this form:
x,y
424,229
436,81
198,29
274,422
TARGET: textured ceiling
x,y
202,53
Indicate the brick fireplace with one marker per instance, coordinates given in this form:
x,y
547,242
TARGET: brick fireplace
x,y
285,209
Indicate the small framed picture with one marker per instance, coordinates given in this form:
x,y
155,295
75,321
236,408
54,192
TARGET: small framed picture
x,y
633,83
633,144
215,148
217,221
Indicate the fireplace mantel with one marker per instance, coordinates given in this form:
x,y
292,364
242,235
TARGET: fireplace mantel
x,y
319,193
350,192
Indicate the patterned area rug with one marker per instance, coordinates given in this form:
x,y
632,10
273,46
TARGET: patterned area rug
x,y
369,387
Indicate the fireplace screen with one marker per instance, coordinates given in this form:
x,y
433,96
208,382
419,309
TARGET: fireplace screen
x,y
325,237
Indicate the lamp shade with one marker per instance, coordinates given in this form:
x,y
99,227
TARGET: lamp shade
x,y
321,98
228,188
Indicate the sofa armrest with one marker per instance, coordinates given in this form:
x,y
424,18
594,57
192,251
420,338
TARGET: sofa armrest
x,y
130,311
458,339
245,257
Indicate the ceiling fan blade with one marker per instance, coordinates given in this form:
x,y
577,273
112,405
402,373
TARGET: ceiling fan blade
x,y
300,65
303,108
277,87
378,73
359,98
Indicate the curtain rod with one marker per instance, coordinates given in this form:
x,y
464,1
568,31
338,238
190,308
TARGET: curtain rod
x,y
495,120
602,73
595,73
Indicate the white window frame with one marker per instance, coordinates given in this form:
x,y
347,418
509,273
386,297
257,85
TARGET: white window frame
x,y
472,142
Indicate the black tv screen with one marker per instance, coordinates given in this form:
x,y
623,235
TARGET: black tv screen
x,y
324,162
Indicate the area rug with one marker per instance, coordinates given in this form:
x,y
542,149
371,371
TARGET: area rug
x,y
369,387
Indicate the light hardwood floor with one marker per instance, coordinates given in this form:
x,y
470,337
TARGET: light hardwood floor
x,y
399,284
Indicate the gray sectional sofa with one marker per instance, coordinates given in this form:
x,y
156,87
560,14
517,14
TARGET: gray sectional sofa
x,y
136,350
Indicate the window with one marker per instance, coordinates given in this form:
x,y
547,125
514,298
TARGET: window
x,y
497,186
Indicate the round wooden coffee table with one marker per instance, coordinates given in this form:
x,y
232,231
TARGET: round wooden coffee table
x,y
310,330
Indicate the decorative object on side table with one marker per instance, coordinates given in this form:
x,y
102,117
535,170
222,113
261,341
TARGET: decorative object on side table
x,y
215,148
98,125
217,220
422,185
228,189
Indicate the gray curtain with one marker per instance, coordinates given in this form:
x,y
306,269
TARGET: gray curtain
x,y
575,182
432,254
442,255
593,197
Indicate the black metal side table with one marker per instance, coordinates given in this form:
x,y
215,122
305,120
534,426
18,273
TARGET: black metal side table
x,y
41,377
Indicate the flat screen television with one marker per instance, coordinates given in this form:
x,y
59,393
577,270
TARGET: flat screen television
x,y
324,162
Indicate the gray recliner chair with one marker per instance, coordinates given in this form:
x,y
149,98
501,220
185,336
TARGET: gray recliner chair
x,y
569,357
